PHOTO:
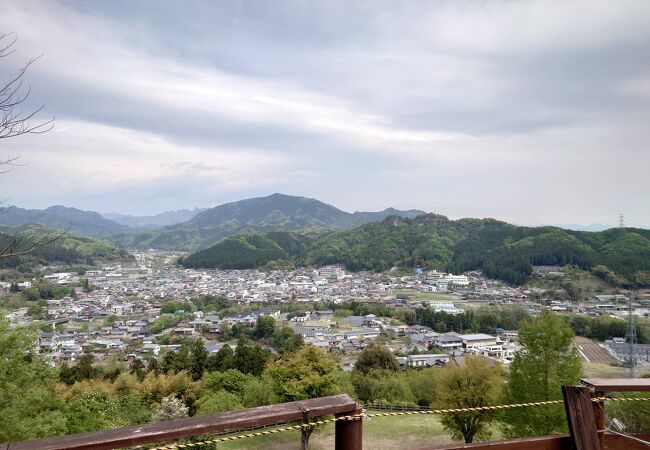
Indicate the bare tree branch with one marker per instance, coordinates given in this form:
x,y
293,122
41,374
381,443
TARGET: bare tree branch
x,y
20,244
13,121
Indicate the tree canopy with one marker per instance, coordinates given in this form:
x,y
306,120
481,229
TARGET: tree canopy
x,y
548,362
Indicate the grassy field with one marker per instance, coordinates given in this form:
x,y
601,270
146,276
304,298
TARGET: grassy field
x,y
382,433
591,370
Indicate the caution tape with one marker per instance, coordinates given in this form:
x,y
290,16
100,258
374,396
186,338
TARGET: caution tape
x,y
365,415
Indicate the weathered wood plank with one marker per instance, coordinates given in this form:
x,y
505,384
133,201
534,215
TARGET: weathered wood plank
x,y
617,442
599,415
617,384
194,426
562,442
580,416
349,434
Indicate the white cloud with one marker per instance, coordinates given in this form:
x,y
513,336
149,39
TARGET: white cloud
x,y
503,107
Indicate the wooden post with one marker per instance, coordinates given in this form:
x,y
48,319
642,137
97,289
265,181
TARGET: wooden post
x,y
348,434
580,415
599,414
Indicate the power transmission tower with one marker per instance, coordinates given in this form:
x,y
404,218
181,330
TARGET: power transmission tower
x,y
630,338
621,220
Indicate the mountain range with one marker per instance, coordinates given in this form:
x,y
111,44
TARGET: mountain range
x,y
77,221
155,221
501,250
199,228
280,230
276,212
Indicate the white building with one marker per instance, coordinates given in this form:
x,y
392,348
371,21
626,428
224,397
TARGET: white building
x,y
446,307
331,272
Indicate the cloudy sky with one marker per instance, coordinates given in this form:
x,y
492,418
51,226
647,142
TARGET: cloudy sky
x,y
533,112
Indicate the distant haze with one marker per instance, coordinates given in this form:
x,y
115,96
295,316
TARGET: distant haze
x,y
529,112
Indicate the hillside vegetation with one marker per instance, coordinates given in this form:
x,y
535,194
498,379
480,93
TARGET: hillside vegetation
x,y
84,223
68,249
277,212
500,250
247,251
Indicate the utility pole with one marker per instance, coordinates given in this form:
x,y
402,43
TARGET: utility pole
x,y
630,338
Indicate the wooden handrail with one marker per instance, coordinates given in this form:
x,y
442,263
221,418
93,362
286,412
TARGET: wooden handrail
x,y
617,384
561,442
201,425
348,434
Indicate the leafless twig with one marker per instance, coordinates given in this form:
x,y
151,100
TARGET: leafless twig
x,y
20,244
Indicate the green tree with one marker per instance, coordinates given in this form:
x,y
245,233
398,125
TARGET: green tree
x,y
198,360
308,373
29,405
250,359
218,402
286,340
84,369
232,380
223,360
376,357
177,361
257,393
93,410
224,332
471,385
137,369
152,365
264,327
547,362
382,386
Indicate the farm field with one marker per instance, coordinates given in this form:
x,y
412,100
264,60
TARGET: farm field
x,y
592,352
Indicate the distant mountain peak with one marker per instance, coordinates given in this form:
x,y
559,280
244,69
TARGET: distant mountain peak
x,y
274,212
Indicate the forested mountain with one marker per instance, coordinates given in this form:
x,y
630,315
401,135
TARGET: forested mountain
x,y
85,223
500,250
156,221
277,212
68,249
247,250
361,217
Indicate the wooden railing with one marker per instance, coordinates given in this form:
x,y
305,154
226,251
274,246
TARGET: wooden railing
x,y
585,418
348,433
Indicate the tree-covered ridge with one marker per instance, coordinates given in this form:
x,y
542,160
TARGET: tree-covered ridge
x,y
84,223
249,250
501,250
67,249
277,212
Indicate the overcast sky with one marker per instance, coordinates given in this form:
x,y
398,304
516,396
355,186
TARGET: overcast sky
x,y
533,112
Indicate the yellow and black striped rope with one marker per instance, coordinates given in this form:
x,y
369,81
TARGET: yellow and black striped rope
x,y
364,415
619,399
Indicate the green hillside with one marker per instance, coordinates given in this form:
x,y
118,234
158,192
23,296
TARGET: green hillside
x,y
247,251
500,250
68,249
83,223
277,212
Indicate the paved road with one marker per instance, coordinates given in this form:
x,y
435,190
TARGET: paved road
x,y
592,352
